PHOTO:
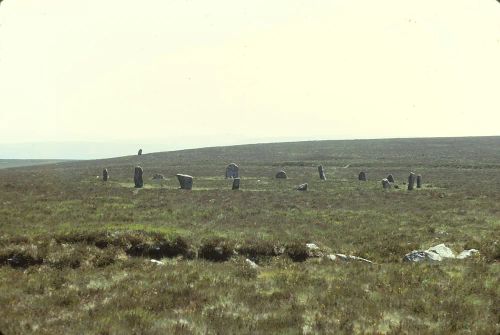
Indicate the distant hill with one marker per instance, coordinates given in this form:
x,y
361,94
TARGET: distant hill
x,y
10,163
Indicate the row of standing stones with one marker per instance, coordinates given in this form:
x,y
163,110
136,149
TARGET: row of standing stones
x,y
232,171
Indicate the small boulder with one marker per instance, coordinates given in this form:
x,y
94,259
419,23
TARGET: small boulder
x,y
390,178
236,183
139,152
419,181
302,187
105,175
281,175
467,253
411,181
185,181
321,172
252,264
386,184
362,176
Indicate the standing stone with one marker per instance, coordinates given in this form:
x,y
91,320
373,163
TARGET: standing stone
x,y
139,152
302,187
321,173
281,175
232,171
386,184
138,177
411,181
362,176
236,183
390,178
185,181
419,181
105,175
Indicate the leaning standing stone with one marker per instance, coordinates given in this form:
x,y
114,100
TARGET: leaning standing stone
x,y
281,175
185,181
419,181
139,152
362,176
232,171
105,175
138,177
236,183
386,184
411,181
302,187
321,172
390,178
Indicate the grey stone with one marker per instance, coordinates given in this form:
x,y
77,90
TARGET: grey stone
x,y
442,250
302,187
138,177
185,181
281,175
252,264
105,175
321,172
390,178
158,176
419,181
232,171
362,176
313,250
385,184
467,253
236,183
139,152
436,253
411,181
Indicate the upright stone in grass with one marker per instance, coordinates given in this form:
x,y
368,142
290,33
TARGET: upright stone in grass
x,y
232,171
185,181
236,183
138,177
362,176
281,175
139,152
419,181
386,184
321,172
302,187
390,178
105,175
411,181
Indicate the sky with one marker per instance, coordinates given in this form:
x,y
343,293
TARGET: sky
x,y
188,73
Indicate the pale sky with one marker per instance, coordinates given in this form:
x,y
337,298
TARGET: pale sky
x,y
99,70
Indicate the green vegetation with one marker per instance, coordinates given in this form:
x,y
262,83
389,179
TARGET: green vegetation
x,y
75,252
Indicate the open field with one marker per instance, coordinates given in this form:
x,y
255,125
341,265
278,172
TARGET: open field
x,y
11,163
84,246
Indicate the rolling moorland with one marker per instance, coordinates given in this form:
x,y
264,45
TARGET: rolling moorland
x,y
75,252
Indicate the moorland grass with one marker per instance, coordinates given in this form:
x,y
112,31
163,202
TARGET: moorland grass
x,y
83,247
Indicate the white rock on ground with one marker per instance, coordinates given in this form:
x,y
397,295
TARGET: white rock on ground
x,y
437,253
346,258
252,264
157,262
467,253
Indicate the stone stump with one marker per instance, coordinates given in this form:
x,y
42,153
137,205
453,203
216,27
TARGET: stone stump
x,y
321,172
386,184
302,187
419,181
139,152
105,175
411,181
185,181
362,176
138,177
232,171
236,183
390,178
281,175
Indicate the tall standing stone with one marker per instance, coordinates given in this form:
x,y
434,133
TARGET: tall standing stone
x,y
105,175
386,184
362,176
232,171
281,175
419,181
390,178
139,152
185,181
138,177
321,172
411,181
236,183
